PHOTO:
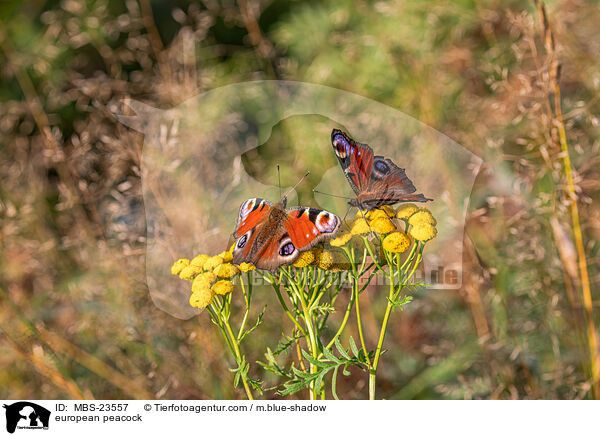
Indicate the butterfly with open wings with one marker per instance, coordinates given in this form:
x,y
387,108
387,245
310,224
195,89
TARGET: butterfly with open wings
x,y
269,235
376,180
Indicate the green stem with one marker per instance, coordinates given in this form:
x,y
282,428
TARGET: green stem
x,y
368,247
350,254
344,322
296,285
232,341
313,349
358,321
384,324
415,265
312,339
410,256
285,308
246,312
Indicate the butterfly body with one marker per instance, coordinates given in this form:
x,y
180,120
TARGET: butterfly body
x,y
269,235
376,180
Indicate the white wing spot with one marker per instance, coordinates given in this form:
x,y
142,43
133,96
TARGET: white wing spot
x,y
248,205
325,222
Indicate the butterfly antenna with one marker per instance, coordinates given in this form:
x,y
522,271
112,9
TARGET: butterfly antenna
x,y
294,187
279,180
347,212
331,195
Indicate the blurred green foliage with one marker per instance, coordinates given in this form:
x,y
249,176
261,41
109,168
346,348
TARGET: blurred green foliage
x,y
72,227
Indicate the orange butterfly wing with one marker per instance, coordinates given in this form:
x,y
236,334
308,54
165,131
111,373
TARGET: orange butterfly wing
x,y
269,236
307,226
252,212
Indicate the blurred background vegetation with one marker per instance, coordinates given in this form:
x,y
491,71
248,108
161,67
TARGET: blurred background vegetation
x,y
76,320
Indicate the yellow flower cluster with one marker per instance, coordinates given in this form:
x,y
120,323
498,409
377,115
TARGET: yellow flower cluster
x,y
422,225
324,257
396,242
212,275
384,221
374,221
421,221
209,275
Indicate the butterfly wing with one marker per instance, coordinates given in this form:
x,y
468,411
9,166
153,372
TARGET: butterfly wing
x,y
389,184
252,212
307,226
269,236
355,158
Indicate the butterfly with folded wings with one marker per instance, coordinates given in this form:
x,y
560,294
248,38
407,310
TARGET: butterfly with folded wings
x,y
376,180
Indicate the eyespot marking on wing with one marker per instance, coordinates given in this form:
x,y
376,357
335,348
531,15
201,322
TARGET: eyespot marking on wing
x,y
382,167
341,146
286,247
326,222
242,241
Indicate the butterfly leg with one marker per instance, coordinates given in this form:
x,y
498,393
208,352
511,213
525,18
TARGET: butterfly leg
x,y
364,216
346,214
388,215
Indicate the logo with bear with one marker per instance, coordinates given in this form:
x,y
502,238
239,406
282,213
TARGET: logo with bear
x,y
26,415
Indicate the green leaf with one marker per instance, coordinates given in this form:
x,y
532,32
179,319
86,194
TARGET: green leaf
x,y
311,359
292,388
299,373
353,347
341,350
345,370
285,343
334,383
329,355
319,381
255,326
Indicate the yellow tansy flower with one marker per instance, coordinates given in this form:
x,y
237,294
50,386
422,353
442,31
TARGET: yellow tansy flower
x,y
189,272
421,216
227,256
203,281
423,232
325,259
200,260
383,212
396,242
201,299
360,227
339,261
226,271
383,225
213,262
305,259
342,238
342,266
316,252
222,287
245,267
406,210
361,214
179,265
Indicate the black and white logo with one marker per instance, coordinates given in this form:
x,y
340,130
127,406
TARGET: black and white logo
x,y
26,415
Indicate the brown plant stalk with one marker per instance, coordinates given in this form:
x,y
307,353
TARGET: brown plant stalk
x,y
554,87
